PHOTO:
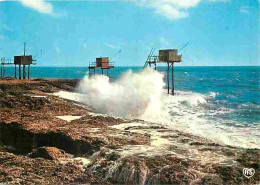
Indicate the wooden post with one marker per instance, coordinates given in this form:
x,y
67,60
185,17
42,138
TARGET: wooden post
x,y
20,72
24,73
28,72
173,78
24,48
15,75
168,81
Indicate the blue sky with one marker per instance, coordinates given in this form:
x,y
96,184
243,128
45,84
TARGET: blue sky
x,y
74,33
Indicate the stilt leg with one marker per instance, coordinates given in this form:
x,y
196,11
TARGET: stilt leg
x,y
28,72
15,75
173,78
20,72
24,74
168,81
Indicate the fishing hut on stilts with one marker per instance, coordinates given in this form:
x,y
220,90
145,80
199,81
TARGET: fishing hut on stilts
x,y
102,63
168,57
23,60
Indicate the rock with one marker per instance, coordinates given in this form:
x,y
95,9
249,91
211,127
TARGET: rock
x,y
51,153
28,118
211,179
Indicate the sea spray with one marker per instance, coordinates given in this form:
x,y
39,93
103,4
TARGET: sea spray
x,y
134,95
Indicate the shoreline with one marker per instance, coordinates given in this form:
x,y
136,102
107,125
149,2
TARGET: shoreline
x,y
116,150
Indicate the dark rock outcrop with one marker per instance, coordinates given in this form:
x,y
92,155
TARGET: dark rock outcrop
x,y
51,153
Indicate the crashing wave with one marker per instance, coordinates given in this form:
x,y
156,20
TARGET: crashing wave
x,y
142,96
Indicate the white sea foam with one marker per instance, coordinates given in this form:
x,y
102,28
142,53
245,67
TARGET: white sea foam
x,y
132,96
69,95
69,118
142,95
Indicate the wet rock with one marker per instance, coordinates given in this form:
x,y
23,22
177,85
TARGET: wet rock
x,y
23,170
22,102
51,153
107,119
211,179
196,143
250,158
68,84
230,174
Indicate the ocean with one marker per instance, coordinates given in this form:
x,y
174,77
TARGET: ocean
x,y
219,103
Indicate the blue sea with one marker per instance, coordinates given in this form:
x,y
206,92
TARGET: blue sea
x,y
211,100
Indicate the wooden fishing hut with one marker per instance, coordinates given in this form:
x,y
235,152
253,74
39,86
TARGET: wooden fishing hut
x,y
23,60
168,57
102,63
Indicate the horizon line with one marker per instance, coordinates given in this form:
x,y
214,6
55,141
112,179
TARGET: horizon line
x,y
143,66
157,66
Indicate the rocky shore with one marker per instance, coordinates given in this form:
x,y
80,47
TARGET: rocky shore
x,y
49,140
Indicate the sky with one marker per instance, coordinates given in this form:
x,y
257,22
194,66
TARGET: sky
x,y
74,33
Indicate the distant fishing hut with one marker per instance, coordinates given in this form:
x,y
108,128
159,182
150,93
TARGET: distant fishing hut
x,y
167,56
23,60
102,63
